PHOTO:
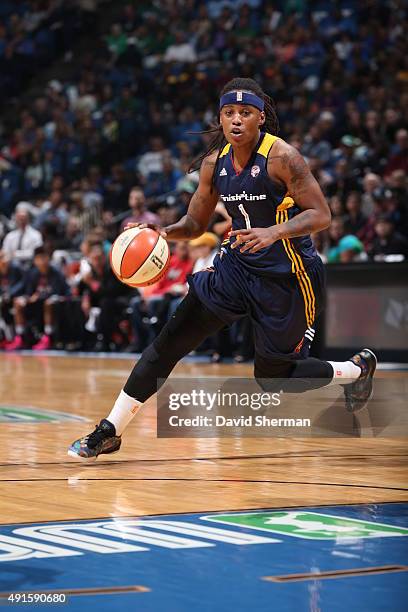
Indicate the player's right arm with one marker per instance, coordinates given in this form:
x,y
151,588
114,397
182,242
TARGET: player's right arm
x,y
201,207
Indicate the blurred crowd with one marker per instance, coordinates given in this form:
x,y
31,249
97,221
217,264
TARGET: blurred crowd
x,y
34,32
114,140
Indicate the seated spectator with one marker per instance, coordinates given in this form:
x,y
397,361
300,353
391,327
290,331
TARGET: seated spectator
x,y
151,162
349,249
53,210
117,40
116,187
221,222
319,240
10,286
336,231
387,240
399,158
354,220
43,286
314,145
73,235
336,206
21,243
137,205
104,298
372,185
166,180
203,250
160,301
181,51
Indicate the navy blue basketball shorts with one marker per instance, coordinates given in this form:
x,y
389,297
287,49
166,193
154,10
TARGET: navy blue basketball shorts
x,y
282,309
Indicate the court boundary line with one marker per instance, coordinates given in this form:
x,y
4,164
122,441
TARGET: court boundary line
x,y
240,480
386,365
170,459
241,510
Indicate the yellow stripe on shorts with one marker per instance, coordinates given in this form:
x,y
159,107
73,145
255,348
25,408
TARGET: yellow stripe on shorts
x,y
300,271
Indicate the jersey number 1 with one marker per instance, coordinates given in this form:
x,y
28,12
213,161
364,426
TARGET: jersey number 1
x,y
246,216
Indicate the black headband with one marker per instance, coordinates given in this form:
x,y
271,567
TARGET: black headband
x,y
242,97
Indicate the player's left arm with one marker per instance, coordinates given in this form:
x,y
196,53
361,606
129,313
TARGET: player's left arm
x,y
287,166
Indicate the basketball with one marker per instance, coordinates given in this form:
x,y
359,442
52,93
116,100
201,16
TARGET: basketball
x,y
139,257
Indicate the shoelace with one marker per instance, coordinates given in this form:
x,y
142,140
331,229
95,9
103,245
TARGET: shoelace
x,y
96,436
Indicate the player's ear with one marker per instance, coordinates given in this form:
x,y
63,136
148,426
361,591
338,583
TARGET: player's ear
x,y
262,118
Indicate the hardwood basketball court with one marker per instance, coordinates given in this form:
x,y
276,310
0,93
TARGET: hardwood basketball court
x,y
161,476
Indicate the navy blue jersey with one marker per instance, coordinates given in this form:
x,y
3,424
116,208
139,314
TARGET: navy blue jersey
x,y
253,199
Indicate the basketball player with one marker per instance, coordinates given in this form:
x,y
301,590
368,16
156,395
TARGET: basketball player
x,y
267,269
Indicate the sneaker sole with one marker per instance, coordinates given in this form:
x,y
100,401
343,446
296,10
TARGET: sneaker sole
x,y
353,411
375,357
80,459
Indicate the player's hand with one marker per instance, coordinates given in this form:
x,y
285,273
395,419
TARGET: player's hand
x,y
157,228
254,239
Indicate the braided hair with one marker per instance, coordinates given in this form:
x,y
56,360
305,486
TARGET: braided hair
x,y
218,140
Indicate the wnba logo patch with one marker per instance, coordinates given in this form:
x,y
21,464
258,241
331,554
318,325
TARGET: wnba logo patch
x,y
255,170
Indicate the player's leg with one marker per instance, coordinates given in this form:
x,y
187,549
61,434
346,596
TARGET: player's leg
x,y
355,374
6,321
19,305
297,376
188,327
283,349
45,341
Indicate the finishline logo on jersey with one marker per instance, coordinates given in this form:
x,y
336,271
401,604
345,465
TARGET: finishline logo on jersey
x,y
243,196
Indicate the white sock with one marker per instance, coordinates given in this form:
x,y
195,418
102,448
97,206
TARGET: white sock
x,y
344,371
19,330
48,330
123,411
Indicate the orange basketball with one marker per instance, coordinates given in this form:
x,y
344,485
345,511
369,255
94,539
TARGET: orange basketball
x,y
139,257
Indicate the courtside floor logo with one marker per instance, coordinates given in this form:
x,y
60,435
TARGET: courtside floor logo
x,y
32,414
135,535
310,525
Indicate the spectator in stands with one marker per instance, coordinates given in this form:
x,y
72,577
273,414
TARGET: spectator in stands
x,y
349,249
104,298
336,206
314,145
43,287
116,188
181,51
162,299
387,241
117,40
336,231
203,250
73,235
372,187
399,157
221,222
53,211
151,162
137,205
10,286
21,243
354,220
166,180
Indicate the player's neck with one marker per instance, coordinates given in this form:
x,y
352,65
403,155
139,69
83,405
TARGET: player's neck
x,y
243,153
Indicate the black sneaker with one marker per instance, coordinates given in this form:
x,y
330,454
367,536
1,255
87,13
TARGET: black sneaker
x,y
102,441
360,391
